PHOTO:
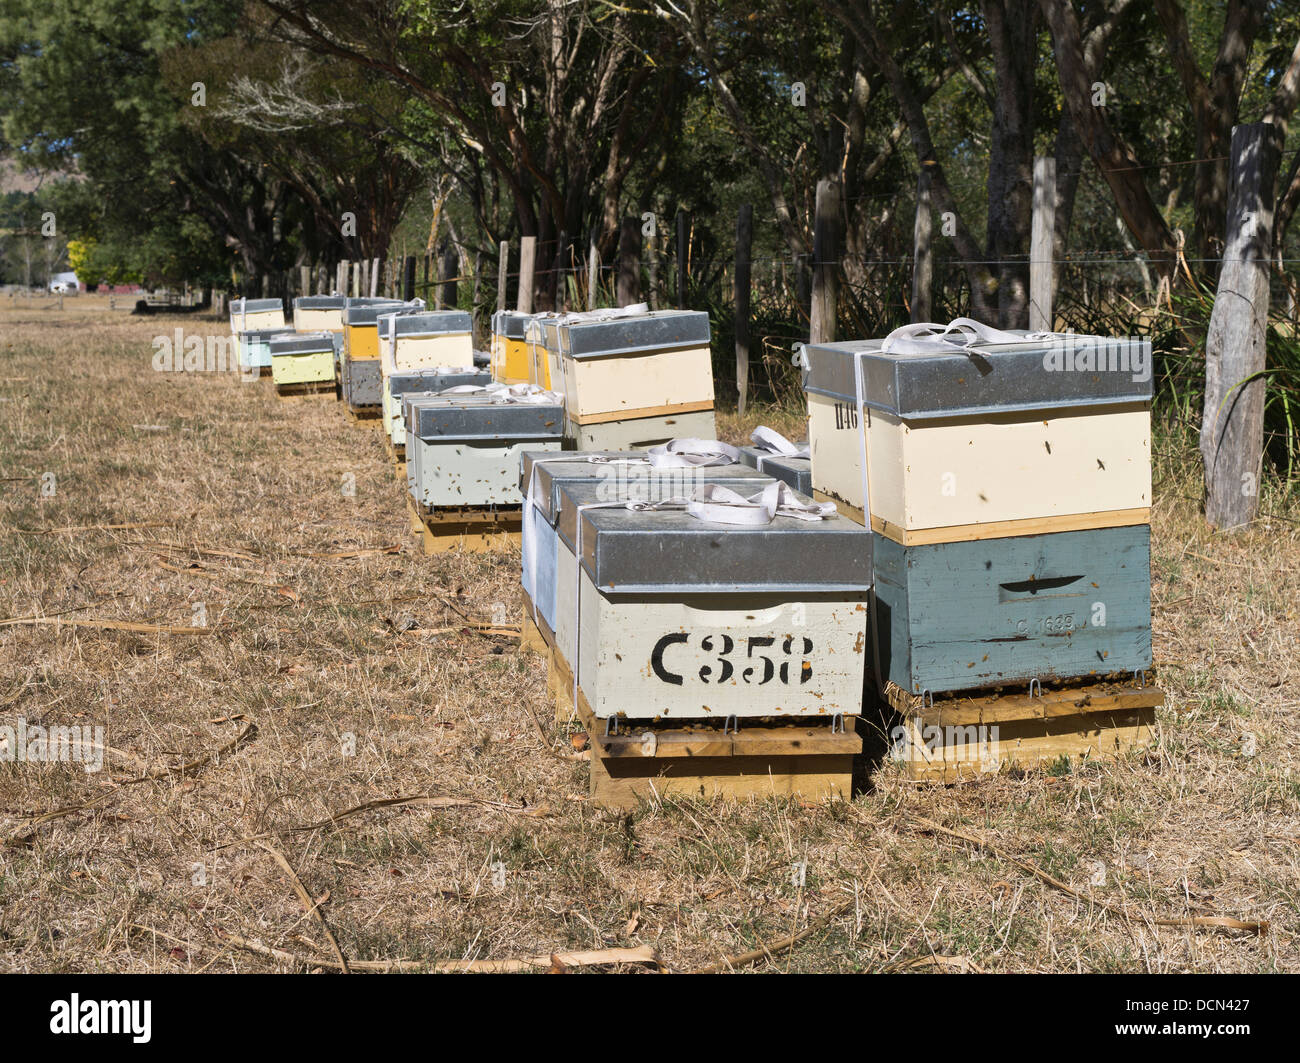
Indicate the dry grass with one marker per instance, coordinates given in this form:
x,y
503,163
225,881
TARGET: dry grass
x,y
166,868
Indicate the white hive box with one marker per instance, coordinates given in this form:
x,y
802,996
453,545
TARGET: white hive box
x,y
462,451
318,313
679,619
613,366
983,443
428,381
248,315
614,474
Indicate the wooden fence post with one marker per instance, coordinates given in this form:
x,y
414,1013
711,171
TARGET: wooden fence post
x,y
826,244
450,269
922,255
683,251
629,262
1232,422
744,239
1041,272
503,272
374,277
527,264
408,279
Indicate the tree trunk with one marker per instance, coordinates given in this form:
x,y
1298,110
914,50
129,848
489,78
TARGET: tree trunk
x,y
1232,423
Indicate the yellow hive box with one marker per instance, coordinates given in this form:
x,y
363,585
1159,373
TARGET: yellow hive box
x,y
511,357
302,358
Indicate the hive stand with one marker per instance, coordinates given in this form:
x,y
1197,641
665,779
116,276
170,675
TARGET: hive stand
x,y
958,738
469,528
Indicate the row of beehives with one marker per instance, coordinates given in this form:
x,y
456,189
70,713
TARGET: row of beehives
x,y
1008,484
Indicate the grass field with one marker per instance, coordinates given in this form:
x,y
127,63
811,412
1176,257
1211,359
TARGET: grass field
x,y
337,669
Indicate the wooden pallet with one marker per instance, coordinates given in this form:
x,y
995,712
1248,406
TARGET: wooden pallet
x,y
762,759
309,389
531,638
960,738
468,528
364,414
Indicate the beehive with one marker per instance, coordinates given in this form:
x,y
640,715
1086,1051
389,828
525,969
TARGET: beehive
x,y
679,619
992,612
318,313
248,315
511,358
422,380
616,365
996,439
360,366
302,358
614,474
463,450
255,347
415,339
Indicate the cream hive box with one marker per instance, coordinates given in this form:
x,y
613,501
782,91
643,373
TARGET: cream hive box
x,y
249,315
318,313
620,365
1022,436
677,618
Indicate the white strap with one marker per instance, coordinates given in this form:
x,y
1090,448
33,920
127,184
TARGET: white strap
x,y
508,394
578,317
693,454
927,337
772,441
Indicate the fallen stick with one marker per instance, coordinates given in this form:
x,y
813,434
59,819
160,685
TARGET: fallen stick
x,y
644,955
1210,921
313,909
95,527
767,951
110,625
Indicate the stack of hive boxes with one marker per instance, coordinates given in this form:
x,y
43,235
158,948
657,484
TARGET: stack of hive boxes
x,y
422,351
463,448
1008,489
252,324
360,375
676,623
630,378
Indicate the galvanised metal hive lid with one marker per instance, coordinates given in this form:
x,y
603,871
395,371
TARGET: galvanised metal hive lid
x,y
302,343
797,472
510,323
371,300
626,476
1035,372
320,302
473,418
368,316
604,333
255,306
627,551
412,322
434,380
264,335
